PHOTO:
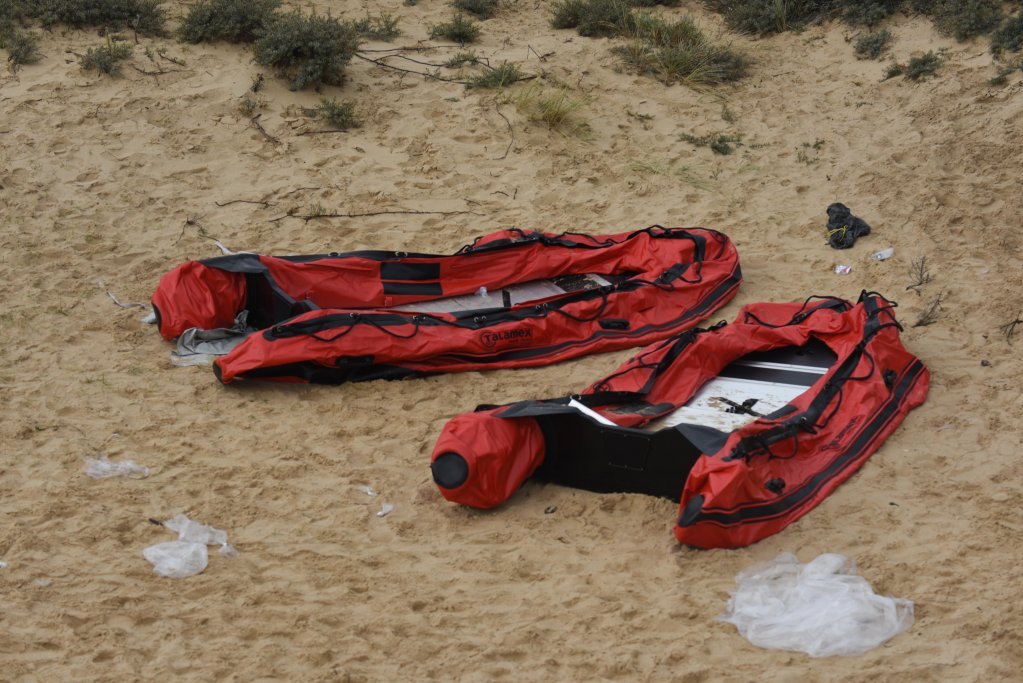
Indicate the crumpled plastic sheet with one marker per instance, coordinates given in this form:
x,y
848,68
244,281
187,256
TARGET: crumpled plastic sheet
x,y
196,346
821,608
101,468
188,555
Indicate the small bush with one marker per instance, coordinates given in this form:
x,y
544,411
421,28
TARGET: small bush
x,y
236,21
654,3
594,18
869,12
340,115
762,17
462,59
872,45
1009,36
962,18
459,30
307,50
1002,77
107,58
719,143
22,46
556,108
383,27
925,65
484,9
894,69
679,52
143,16
248,106
497,77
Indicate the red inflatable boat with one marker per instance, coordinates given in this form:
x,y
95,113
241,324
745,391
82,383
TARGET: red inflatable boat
x,y
511,299
749,425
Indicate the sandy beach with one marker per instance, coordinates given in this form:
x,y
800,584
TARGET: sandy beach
x,y
108,182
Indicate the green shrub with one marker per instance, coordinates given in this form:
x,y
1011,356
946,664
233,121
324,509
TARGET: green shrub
x,y
679,52
872,45
484,9
462,59
236,21
594,17
719,143
894,69
962,18
383,27
308,50
925,65
340,115
22,46
762,17
1009,36
497,77
14,12
459,30
653,3
144,16
868,12
106,58
568,13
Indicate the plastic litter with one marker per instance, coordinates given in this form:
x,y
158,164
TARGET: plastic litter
x,y
821,608
883,255
843,269
101,468
177,559
196,346
149,318
43,583
843,227
3,565
385,509
188,555
482,292
368,490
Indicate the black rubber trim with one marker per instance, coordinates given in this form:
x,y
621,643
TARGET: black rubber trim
x,y
797,497
321,374
414,288
409,271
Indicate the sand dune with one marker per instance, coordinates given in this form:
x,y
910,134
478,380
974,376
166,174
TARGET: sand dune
x,y
99,175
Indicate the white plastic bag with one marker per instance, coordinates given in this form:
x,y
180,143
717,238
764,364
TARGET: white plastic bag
x,y
101,468
822,608
188,555
177,559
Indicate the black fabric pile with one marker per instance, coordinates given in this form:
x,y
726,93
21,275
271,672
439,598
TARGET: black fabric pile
x,y
843,227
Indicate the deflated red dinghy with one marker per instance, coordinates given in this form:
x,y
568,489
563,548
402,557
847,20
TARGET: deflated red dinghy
x,y
833,375
511,299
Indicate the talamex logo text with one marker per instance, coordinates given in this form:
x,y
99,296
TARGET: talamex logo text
x,y
491,339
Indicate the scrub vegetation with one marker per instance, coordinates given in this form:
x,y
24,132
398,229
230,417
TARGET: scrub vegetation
x,y
307,50
106,58
483,9
499,76
340,115
671,51
235,21
460,29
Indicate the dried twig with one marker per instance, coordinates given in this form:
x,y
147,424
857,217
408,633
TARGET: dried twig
x,y
161,72
321,132
415,48
163,55
511,131
1009,328
542,57
930,314
265,204
299,189
312,216
920,272
380,62
259,126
